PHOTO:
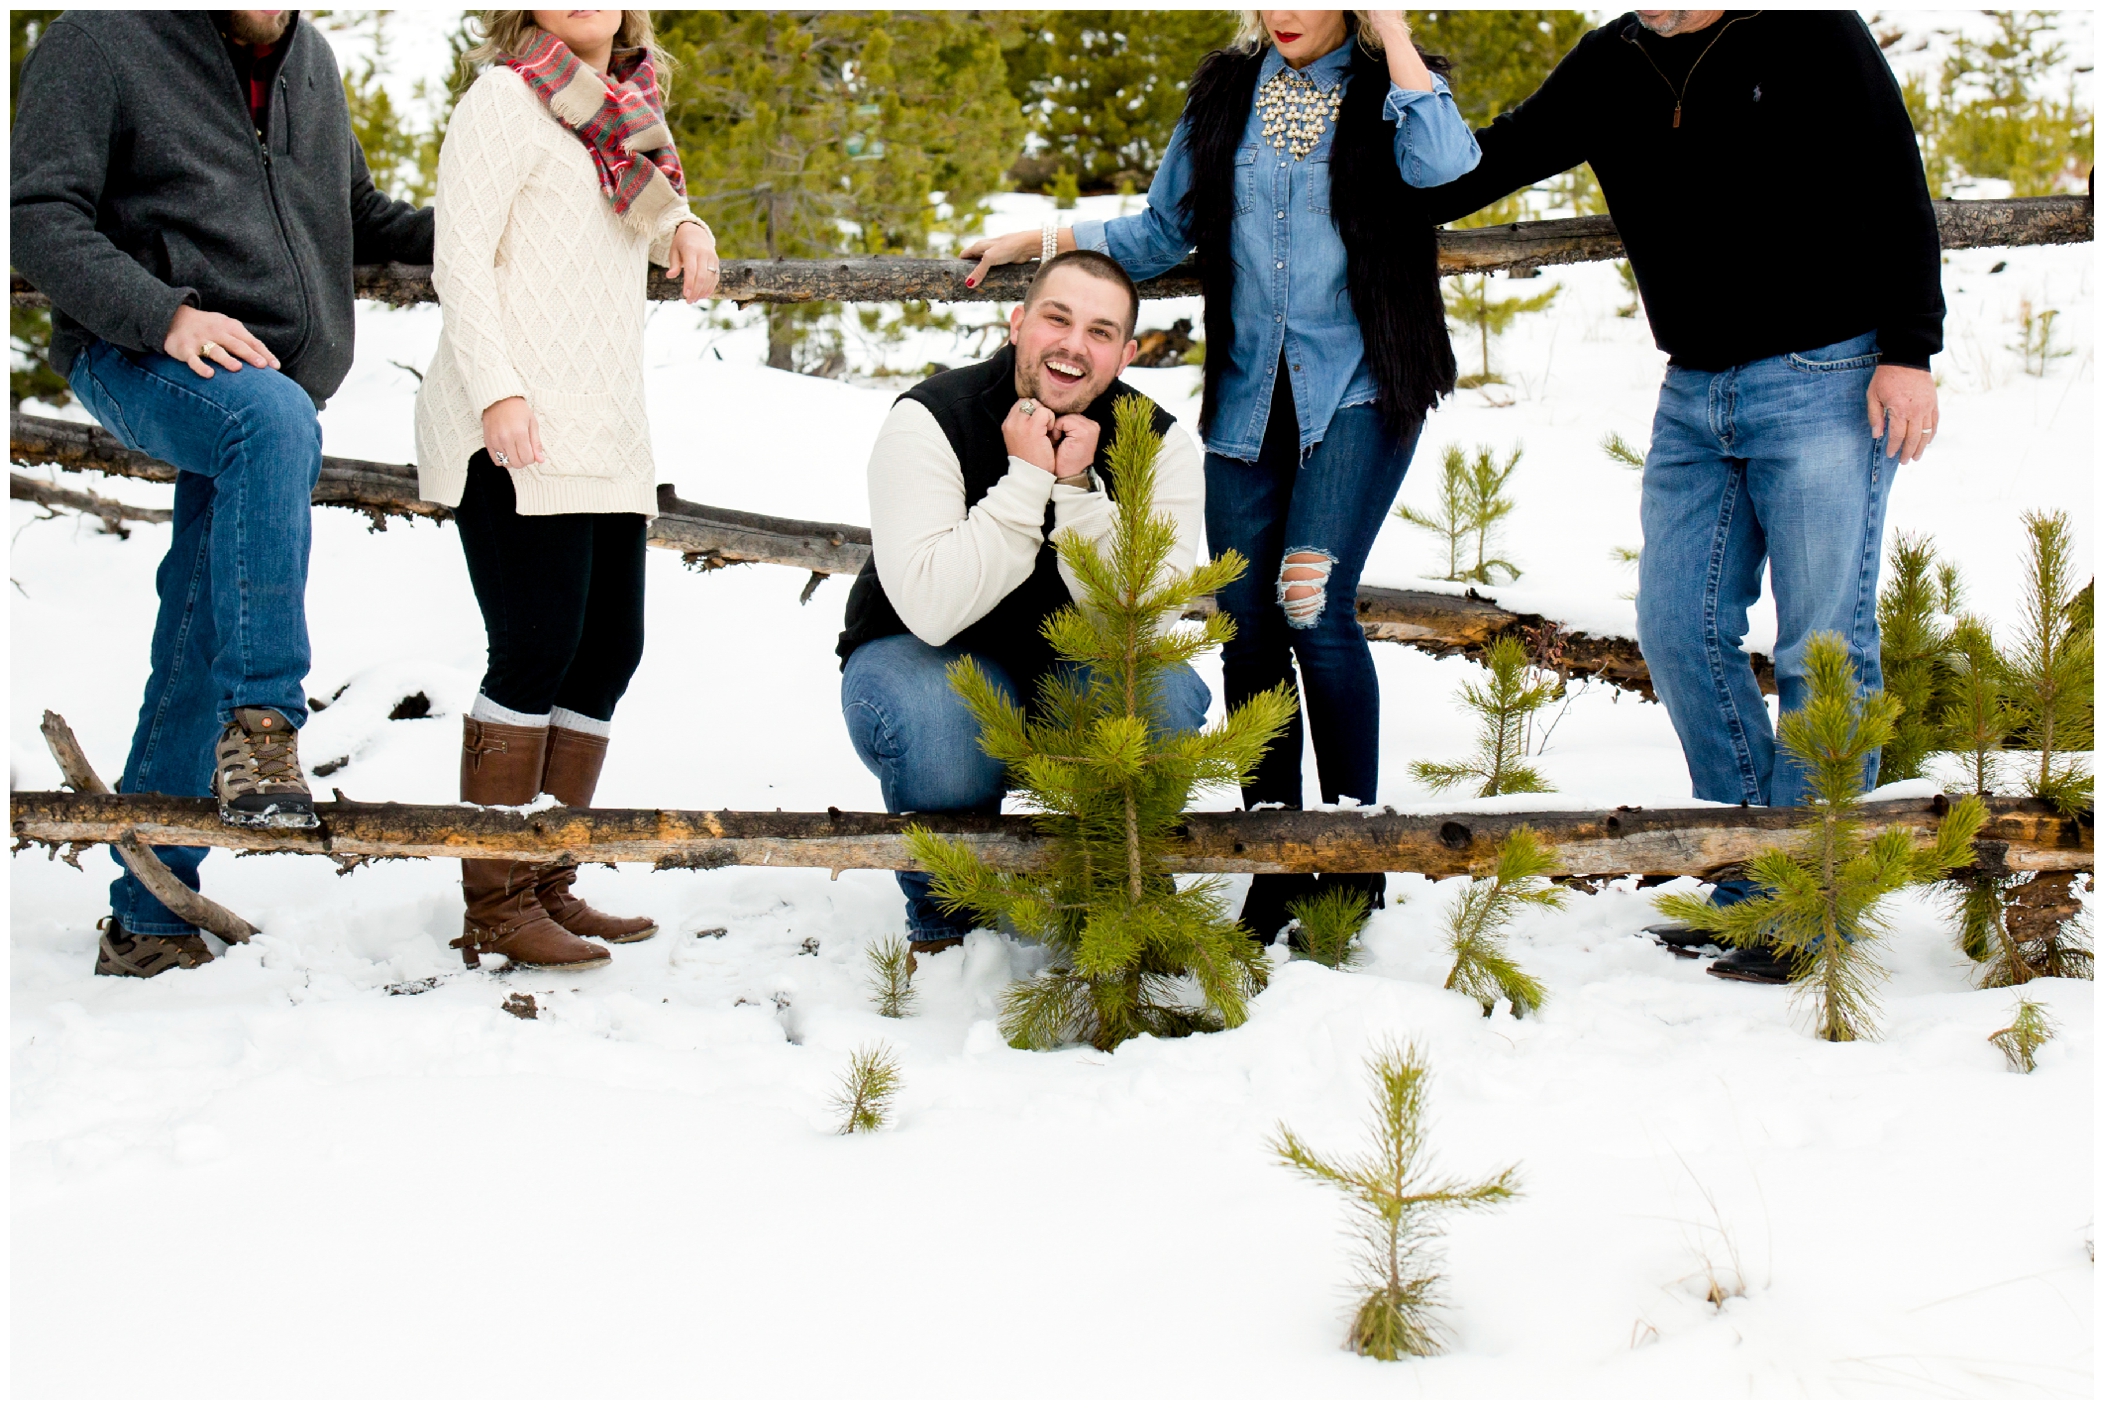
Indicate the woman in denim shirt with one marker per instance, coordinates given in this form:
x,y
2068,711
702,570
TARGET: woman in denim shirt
x,y
1295,173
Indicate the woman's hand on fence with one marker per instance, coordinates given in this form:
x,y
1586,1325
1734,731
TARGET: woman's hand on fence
x,y
511,434
194,336
1006,251
693,260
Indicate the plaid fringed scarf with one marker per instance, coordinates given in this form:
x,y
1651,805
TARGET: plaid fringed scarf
x,y
619,117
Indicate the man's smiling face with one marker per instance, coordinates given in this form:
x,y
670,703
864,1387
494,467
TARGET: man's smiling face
x,y
1072,340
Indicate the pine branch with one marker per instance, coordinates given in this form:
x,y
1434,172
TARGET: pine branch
x,y
1330,923
1477,922
891,977
2030,1029
868,1089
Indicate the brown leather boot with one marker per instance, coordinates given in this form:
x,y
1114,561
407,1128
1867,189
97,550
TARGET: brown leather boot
x,y
572,775
501,764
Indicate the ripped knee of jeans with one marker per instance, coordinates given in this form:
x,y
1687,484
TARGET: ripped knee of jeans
x,y
1303,581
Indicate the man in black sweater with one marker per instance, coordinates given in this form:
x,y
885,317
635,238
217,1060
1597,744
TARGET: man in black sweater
x,y
1764,176
187,191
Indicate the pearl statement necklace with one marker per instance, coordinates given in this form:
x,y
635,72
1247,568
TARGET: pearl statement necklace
x,y
1295,112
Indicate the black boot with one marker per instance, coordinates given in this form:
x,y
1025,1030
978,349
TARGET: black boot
x,y
1754,964
1690,942
1264,912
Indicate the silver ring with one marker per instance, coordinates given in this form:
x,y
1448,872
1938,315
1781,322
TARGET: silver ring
x,y
1028,406
500,457
1928,430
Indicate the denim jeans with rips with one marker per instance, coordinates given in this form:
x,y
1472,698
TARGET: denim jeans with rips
x,y
1332,503
1772,465
914,733
232,628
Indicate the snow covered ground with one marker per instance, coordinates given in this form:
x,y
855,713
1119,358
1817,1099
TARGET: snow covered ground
x,y
273,1176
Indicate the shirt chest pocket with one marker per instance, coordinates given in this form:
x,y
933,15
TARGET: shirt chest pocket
x,y
1314,179
1245,179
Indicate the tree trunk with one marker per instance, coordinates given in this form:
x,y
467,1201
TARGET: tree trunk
x,y
2021,835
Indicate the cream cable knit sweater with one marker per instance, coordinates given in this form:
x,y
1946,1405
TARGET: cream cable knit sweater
x,y
541,286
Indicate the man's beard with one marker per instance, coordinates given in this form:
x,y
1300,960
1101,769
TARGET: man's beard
x,y
1668,23
248,27
1031,381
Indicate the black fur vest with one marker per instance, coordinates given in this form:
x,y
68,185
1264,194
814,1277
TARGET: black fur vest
x,y
1390,245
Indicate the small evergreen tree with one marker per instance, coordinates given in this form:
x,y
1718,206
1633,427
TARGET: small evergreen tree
x,y
1505,707
2051,668
2030,1028
1330,923
1397,1205
868,1089
1913,649
1820,903
1109,789
1476,925
1452,520
891,977
1978,718
1468,303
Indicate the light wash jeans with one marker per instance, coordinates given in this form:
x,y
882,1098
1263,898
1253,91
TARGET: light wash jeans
x,y
1770,464
914,733
232,629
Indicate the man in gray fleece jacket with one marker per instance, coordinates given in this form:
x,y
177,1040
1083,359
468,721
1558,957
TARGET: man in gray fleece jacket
x,y
187,191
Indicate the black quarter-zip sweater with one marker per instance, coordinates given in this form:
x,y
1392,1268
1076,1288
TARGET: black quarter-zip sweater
x,y
140,183
1763,174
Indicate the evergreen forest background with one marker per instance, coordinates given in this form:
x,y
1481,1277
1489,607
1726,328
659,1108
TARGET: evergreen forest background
x,y
808,133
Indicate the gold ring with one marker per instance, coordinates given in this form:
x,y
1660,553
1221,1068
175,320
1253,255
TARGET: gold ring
x,y
210,348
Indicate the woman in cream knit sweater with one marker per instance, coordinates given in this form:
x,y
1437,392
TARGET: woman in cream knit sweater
x,y
557,181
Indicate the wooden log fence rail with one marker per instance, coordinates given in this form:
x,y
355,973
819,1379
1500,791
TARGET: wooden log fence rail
x,y
2021,835
711,537
1515,249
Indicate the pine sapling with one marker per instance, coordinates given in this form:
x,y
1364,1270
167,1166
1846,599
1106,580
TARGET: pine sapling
x,y
1108,789
1476,925
1820,903
891,977
1330,923
1451,519
1978,716
2030,1029
1504,707
1468,302
1488,504
1620,451
2051,668
1912,649
872,1083
1396,1206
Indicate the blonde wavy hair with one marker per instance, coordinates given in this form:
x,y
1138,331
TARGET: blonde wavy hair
x,y
1252,36
502,33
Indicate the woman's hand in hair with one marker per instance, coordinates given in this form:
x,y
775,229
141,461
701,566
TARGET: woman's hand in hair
x,y
693,260
1405,69
511,434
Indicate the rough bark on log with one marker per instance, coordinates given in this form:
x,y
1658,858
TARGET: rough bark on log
x,y
146,868
114,514
1526,246
2021,835
710,537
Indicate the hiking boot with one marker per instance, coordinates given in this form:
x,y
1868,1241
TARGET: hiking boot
x,y
143,956
501,765
1753,964
1690,942
256,774
571,773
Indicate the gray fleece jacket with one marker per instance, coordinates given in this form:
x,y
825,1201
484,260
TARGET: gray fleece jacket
x,y
139,184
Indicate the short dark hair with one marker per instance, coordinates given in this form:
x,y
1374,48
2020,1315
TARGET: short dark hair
x,y
1102,266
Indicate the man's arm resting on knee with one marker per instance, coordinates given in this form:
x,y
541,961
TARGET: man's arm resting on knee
x,y
943,567
66,122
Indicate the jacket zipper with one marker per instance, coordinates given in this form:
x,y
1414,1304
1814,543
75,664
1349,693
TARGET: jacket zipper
x,y
270,185
1679,96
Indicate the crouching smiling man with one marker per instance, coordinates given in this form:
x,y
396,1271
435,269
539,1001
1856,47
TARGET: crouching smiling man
x,y
975,471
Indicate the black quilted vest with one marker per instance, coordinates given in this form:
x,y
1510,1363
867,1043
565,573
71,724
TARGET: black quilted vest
x,y
969,403
1390,243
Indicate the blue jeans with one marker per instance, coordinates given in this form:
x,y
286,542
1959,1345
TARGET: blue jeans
x,y
1770,464
1333,504
914,733
232,629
